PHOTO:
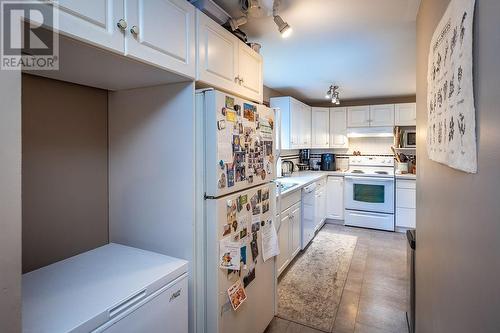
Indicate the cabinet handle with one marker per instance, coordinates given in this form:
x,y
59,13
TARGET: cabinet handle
x,y
236,79
134,30
242,80
122,24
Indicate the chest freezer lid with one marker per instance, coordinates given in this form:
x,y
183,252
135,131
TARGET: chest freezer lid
x,y
85,291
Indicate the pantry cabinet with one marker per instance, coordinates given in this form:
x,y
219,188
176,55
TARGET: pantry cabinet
x,y
405,114
162,33
338,128
157,32
295,122
335,198
288,236
224,62
320,128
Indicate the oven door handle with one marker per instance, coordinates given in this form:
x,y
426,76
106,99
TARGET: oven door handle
x,y
377,179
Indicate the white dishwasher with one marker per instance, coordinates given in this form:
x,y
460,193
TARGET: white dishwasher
x,y
308,214
113,288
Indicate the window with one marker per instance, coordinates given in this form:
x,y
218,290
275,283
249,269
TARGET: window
x,y
369,193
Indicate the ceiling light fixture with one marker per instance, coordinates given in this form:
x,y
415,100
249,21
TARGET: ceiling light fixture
x,y
333,94
283,27
253,8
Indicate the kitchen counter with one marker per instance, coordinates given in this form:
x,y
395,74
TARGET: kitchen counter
x,y
408,176
304,178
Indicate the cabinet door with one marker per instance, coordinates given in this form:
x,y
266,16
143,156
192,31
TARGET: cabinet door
x,y
164,35
295,231
358,116
92,21
406,217
382,115
250,73
282,259
405,114
338,128
335,198
296,124
320,128
217,54
306,126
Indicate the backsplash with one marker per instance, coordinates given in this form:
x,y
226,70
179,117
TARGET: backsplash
x,y
371,146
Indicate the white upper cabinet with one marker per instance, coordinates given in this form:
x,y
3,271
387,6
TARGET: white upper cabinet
x,y
382,115
305,126
250,73
217,53
358,116
405,114
320,128
295,122
370,115
338,128
93,21
162,33
224,62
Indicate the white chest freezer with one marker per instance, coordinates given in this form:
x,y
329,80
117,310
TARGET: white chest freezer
x,y
111,289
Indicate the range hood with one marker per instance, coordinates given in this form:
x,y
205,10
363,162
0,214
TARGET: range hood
x,y
369,132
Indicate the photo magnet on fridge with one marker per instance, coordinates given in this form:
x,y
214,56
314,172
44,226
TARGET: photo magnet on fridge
x,y
237,295
249,111
229,102
255,249
221,124
243,255
249,277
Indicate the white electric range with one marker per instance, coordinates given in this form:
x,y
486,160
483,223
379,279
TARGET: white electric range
x,y
369,192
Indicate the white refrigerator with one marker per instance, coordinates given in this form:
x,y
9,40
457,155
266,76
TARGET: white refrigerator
x,y
239,203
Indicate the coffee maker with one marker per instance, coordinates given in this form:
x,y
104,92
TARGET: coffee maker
x,y
304,157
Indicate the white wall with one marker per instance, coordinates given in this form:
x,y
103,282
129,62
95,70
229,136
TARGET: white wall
x,y
152,171
10,201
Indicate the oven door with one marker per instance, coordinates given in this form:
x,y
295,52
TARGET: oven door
x,y
371,194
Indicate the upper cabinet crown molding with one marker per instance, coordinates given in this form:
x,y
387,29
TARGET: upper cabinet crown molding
x,y
225,62
405,114
158,32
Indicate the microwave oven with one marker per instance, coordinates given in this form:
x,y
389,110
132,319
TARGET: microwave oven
x,y
409,139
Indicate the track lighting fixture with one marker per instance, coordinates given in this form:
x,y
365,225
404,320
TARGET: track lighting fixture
x,y
284,28
333,94
237,22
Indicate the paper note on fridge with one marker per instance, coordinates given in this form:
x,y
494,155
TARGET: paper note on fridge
x,y
229,254
270,247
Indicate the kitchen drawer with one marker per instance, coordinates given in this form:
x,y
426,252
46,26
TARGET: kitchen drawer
x,y
405,217
406,198
406,183
290,199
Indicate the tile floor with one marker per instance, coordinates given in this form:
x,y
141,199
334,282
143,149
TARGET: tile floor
x,y
374,296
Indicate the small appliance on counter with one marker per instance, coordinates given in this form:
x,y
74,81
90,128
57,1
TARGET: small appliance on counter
x,y
328,162
304,159
287,168
409,139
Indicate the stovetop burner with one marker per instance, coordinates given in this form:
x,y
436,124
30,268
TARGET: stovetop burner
x,y
357,171
381,172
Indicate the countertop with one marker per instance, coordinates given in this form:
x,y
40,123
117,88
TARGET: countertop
x,y
304,178
409,176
